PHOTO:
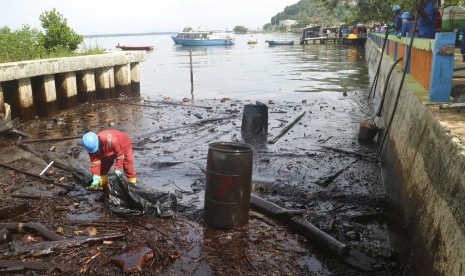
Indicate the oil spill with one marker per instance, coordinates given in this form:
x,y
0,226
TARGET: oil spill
x,y
171,143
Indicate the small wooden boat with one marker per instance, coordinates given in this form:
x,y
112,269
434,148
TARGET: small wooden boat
x,y
252,41
6,124
279,42
134,48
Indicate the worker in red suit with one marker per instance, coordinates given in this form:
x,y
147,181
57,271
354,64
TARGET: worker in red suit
x,y
105,149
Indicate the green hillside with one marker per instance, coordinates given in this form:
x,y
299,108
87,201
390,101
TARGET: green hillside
x,y
333,12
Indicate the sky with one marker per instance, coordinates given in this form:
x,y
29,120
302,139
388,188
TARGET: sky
x,y
88,17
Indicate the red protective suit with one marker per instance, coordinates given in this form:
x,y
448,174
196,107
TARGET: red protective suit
x,y
116,146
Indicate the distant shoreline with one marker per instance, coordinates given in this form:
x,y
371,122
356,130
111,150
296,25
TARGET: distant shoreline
x,y
129,34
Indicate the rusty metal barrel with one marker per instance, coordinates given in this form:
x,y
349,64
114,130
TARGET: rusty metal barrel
x,y
255,119
228,185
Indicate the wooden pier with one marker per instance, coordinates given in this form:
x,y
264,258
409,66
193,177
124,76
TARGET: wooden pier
x,y
43,87
359,42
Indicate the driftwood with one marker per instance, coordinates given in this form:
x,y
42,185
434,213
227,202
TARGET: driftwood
x,y
17,266
349,152
51,139
50,247
37,176
69,164
307,229
179,104
134,104
452,106
13,208
27,196
316,236
286,129
37,227
329,179
20,133
200,122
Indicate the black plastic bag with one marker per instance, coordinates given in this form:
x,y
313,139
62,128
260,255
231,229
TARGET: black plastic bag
x,y
130,200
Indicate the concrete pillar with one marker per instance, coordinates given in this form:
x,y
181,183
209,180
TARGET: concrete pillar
x,y
45,95
135,79
2,100
111,77
105,83
123,80
406,49
86,86
442,68
25,100
66,90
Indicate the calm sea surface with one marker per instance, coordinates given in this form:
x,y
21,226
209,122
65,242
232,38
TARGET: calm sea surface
x,y
246,72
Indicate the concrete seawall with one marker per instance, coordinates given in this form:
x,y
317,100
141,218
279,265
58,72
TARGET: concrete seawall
x,y
42,87
425,147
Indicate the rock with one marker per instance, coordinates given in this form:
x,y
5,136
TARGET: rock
x,y
50,172
134,259
352,235
29,238
5,236
91,231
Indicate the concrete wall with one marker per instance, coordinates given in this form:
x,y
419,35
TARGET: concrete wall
x,y
429,190
41,87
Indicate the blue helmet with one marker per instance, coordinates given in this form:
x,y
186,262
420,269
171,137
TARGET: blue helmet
x,y
407,15
90,142
396,8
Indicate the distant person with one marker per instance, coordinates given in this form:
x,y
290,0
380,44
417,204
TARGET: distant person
x,y
462,45
407,24
438,21
427,20
397,17
383,28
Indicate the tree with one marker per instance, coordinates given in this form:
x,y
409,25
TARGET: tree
x,y
58,35
367,10
21,44
268,27
240,30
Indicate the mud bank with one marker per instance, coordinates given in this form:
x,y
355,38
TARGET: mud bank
x,y
424,166
318,167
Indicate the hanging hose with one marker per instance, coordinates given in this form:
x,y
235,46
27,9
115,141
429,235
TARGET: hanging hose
x,y
375,80
407,63
388,79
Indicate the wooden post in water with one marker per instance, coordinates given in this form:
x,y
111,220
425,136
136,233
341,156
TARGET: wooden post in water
x,y
192,76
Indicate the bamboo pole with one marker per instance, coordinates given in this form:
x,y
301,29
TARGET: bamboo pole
x,y
192,76
286,129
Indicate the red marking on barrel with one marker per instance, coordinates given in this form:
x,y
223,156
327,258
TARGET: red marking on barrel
x,y
225,183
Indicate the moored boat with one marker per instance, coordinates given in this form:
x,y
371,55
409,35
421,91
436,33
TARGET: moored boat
x,y
134,48
279,42
202,38
252,41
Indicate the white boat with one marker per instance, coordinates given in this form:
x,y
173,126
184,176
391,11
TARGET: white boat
x,y
202,38
252,40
